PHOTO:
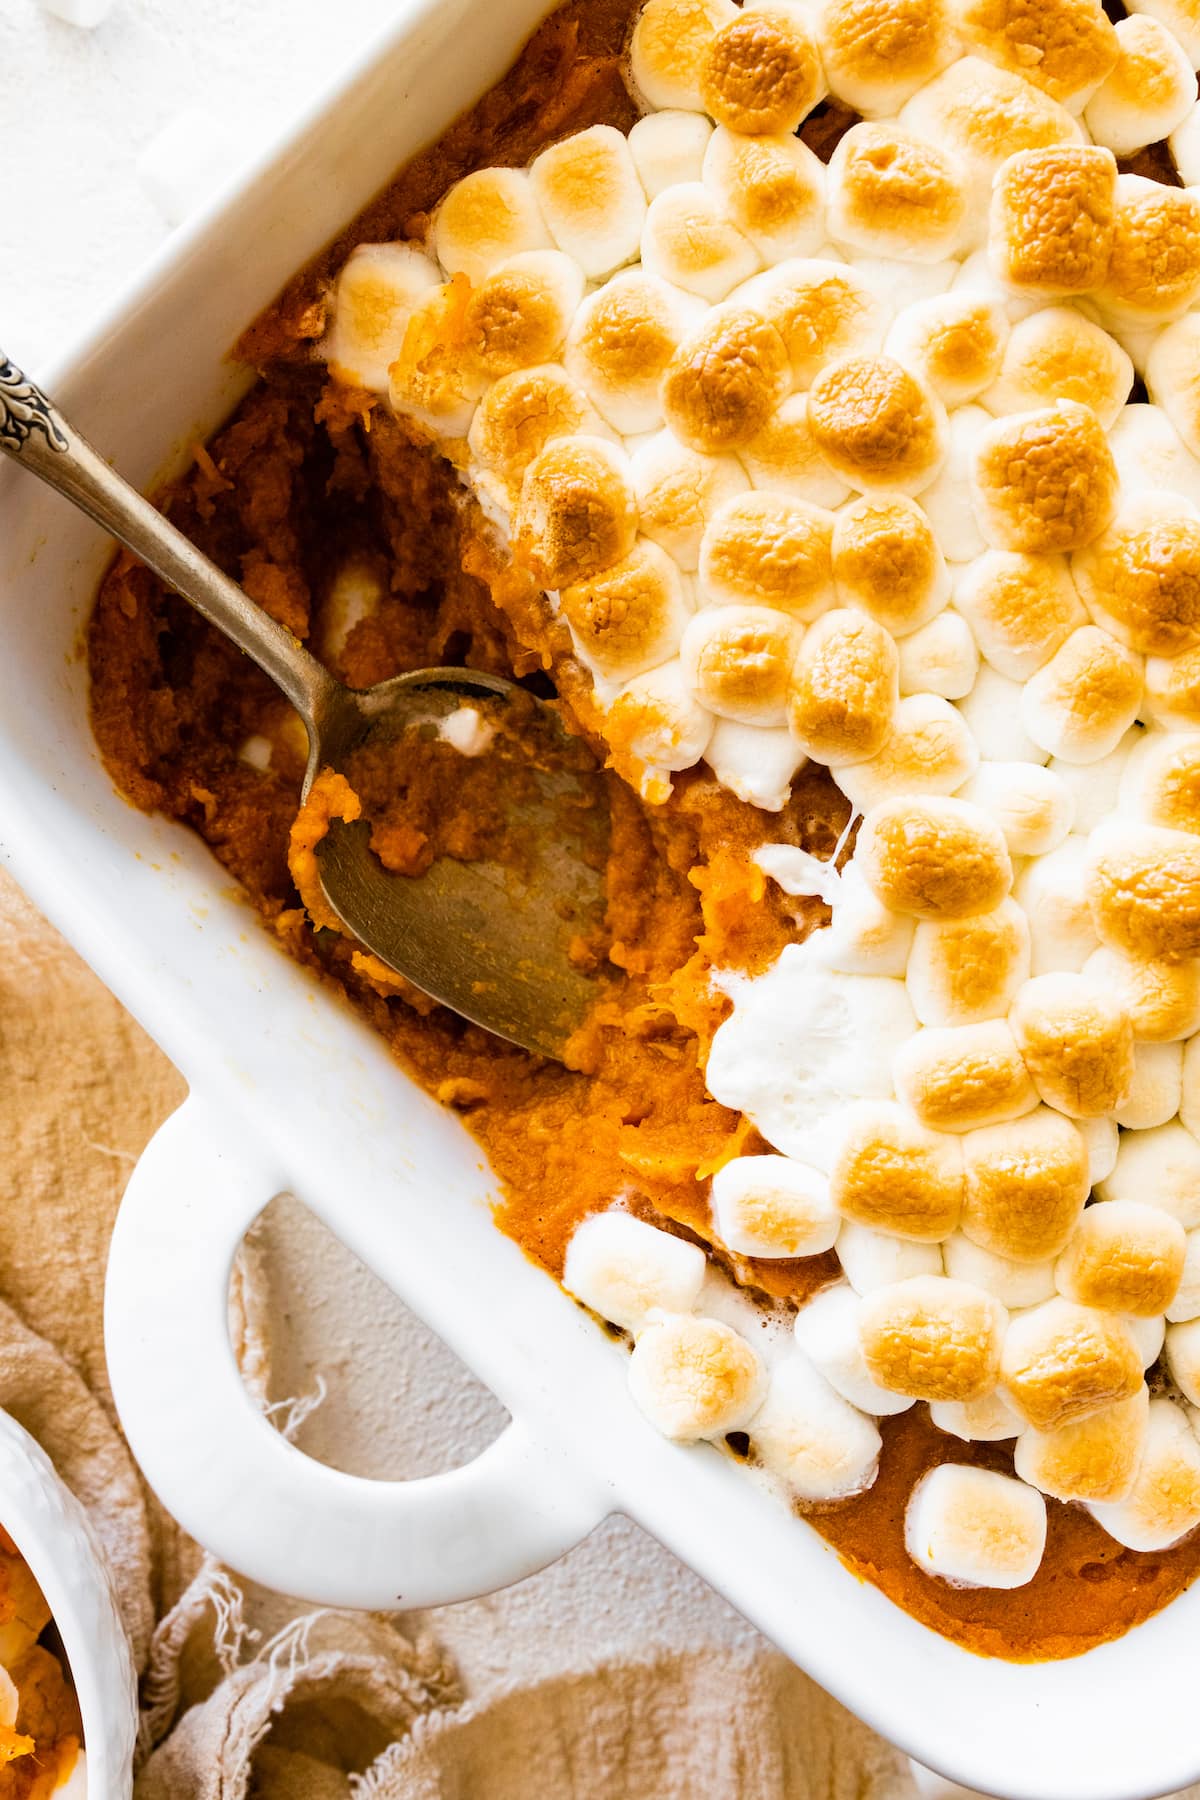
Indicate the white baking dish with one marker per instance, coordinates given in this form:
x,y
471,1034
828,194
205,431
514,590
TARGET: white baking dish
x,y
289,1091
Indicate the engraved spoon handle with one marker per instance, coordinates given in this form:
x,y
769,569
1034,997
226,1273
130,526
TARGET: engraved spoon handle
x,y
35,434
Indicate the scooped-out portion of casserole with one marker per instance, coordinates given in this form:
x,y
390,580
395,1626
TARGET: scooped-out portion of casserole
x,y
803,395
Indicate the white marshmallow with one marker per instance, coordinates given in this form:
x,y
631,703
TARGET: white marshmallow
x,y
1157,1087
827,1332
1183,1358
1149,93
1150,455
771,1206
865,937
256,753
783,458
376,292
1031,805
987,1421
1184,144
1164,1504
976,276
992,711
875,1259
757,763
1189,1104
658,721
903,284
1182,20
695,1377
940,658
1186,1304
1014,1284
1051,891
688,240
1149,1335
668,148
625,1270
1160,1167
820,1445
948,501
1101,1140
974,1528
1094,788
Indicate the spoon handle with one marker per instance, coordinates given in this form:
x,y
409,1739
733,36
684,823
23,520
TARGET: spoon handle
x,y
35,434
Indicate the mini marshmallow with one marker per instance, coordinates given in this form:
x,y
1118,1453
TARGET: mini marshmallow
x,y
678,493
1164,1503
1162,1167
878,52
813,1439
1058,354
992,711
974,1528
865,938
928,751
1051,226
902,283
963,1077
987,1421
591,197
1052,893
783,458
626,1270
886,561
1180,19
1186,1304
762,73
521,312
1062,1362
737,661
1143,888
1065,47
1077,1042
978,280
1123,1257
963,971
932,1338
657,724
1015,1284
1079,705
484,219
1171,377
940,658
517,418
435,380
689,241
1102,1141
577,514
725,380
876,425
1026,1184
376,292
694,1377
1154,1097
773,189
620,344
844,688
1172,697
1044,480
1149,1335
772,1206
1093,1459
947,500
955,342
1095,787
353,594
1189,1105
769,550
668,46
1183,1358
875,1259
934,857
1148,94
827,1332
822,310
1141,579
1184,141
668,147
1161,998
1149,453
1031,805
631,617
757,763
1154,271
892,193
893,1175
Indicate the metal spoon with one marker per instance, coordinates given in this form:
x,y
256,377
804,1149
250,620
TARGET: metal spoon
x,y
492,939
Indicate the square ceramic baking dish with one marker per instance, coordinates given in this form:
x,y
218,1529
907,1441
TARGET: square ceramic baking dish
x,y
288,1091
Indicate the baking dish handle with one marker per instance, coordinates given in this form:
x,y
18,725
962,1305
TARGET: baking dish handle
x,y
250,1497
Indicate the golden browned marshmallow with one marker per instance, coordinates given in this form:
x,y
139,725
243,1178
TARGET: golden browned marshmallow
x,y
942,658
954,342
1044,480
737,660
886,561
668,147
520,414
1021,608
1032,806
876,425
928,751
1123,1257
934,857
1094,1459
1173,376
520,314
1182,20
1143,889
1062,1362
1161,998
891,193
667,50
655,727
1141,579
592,198
889,1172
1172,694
769,550
690,241
1077,1041
435,380
772,187
376,291
1164,1502
783,458
1052,219
679,492
484,219
1057,354
878,52
1154,271
974,1528
620,343
631,617
762,72
1151,90
1081,703
844,689
962,971
694,1377
1026,1184
1065,47
932,1338
963,1077
821,310
1161,780
725,380
577,515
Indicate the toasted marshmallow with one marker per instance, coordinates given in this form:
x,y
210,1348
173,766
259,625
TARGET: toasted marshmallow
x,y
658,725
1058,354
963,1077
1183,1358
679,492
773,188
1123,1257
1065,47
737,661
1026,1185
577,514
827,1333
1051,226
928,751
932,1338
520,314
1052,893
1014,1283
942,658
725,380
1077,1042
626,1270
1149,93
974,1528
631,617
757,763
620,344
865,938
783,458
1062,1362
667,50
1161,1167
1161,998
878,52
986,1421
1186,1304
955,342
813,1439
762,72
1081,703
1172,696
1094,1459
668,147
1095,787
1150,455
435,379
772,1206
936,858
893,193
1031,805
765,549
1102,1140
689,240
694,1377
484,219
378,288
517,418
947,501
977,278
992,711
1155,1094
893,1175
1164,1503
1144,890
1044,480
1141,579
877,1259
963,971
1154,271
844,691
592,198
876,425
822,310
886,561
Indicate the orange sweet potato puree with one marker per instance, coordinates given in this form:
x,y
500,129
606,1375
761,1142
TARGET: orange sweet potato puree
x,y
303,481
39,1752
